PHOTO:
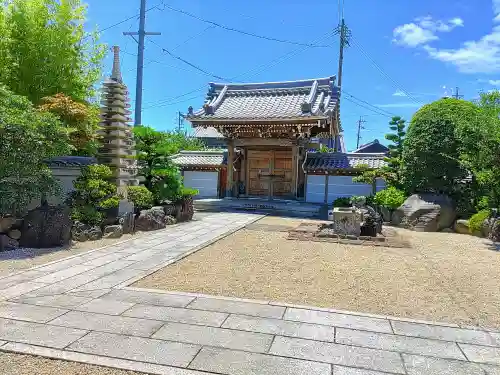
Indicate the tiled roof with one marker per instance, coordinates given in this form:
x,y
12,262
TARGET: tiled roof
x,y
331,161
206,133
270,100
373,146
71,161
200,158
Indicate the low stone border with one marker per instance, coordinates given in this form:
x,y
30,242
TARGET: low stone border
x,y
311,232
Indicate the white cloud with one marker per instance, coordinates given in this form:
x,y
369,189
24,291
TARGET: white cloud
x,y
423,30
473,56
399,93
481,56
494,82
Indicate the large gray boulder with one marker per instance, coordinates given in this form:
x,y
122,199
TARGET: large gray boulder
x,y
152,219
426,212
46,226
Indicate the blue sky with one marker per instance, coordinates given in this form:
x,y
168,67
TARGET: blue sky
x,y
404,53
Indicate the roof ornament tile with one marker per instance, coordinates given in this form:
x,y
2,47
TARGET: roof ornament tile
x,y
116,74
307,105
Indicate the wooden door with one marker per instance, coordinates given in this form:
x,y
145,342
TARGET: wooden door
x,y
282,174
270,173
259,168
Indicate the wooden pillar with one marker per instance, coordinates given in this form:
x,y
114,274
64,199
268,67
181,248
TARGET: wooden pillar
x,y
230,169
295,170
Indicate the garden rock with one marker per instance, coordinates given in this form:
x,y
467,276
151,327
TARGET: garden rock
x,y
170,220
6,223
79,231
427,212
386,214
372,221
7,243
494,234
462,226
127,221
113,231
14,234
46,226
169,209
151,219
94,233
185,210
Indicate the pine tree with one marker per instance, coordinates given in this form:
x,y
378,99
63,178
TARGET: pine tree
x,y
393,169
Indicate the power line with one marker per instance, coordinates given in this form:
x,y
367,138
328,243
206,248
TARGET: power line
x,y
367,108
382,71
188,63
259,69
238,30
127,19
371,105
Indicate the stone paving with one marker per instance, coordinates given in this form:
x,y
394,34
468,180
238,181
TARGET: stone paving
x,y
81,309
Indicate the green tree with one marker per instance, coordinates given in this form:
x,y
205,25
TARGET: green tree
x,y
481,151
28,138
154,149
433,146
44,49
81,119
93,194
393,169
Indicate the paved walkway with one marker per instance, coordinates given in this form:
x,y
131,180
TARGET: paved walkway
x,y
80,309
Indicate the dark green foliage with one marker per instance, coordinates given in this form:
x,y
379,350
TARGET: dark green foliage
x,y
166,184
393,169
476,221
93,194
27,139
342,202
140,196
431,154
154,149
391,198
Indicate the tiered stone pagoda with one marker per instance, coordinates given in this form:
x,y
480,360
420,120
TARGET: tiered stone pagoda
x,y
270,125
117,144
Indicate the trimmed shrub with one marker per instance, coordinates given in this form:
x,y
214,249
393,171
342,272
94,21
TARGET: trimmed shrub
x,y
342,202
476,221
140,196
391,198
93,195
431,153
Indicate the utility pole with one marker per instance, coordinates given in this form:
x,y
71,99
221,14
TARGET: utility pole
x,y
140,61
345,35
457,95
360,127
180,121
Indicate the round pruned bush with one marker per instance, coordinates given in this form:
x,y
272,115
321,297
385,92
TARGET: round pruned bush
x,y
391,198
140,196
476,221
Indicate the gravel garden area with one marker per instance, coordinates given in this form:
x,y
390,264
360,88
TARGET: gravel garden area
x,y
442,277
20,364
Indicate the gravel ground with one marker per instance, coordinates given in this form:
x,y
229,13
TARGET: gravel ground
x,y
17,260
20,364
443,277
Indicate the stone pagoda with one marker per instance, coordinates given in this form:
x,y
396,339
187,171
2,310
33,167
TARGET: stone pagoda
x,y
117,144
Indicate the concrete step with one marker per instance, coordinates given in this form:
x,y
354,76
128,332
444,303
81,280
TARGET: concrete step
x,y
276,207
